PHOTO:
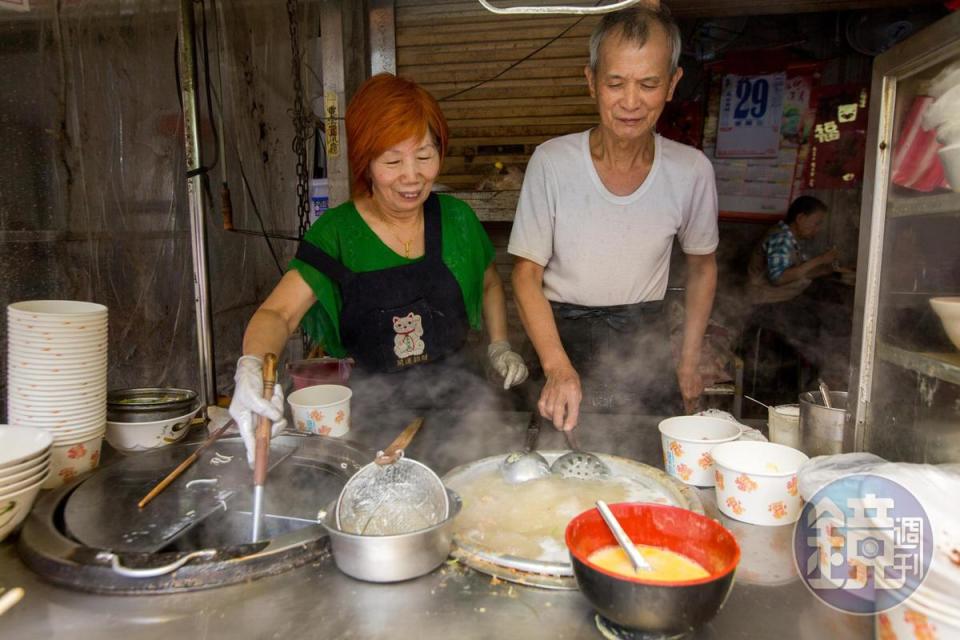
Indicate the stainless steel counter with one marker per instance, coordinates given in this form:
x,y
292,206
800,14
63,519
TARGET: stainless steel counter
x,y
317,601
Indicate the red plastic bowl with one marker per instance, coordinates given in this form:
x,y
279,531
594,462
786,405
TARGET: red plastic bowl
x,y
646,605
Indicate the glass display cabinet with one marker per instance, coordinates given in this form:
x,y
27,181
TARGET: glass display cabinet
x,y
905,375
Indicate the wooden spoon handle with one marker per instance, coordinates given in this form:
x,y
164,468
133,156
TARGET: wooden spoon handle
x,y
401,442
264,425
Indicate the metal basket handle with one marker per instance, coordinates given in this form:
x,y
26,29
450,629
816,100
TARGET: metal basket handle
x,y
577,11
152,572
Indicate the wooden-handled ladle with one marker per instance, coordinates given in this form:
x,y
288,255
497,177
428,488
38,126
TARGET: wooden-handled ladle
x,y
262,452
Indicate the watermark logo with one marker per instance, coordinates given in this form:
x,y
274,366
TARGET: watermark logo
x,y
863,544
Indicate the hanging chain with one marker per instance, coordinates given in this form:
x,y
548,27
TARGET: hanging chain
x,y
299,121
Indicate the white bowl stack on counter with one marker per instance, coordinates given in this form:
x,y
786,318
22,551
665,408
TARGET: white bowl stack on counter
x,y
24,466
57,379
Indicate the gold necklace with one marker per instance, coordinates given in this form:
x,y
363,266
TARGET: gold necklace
x,y
407,244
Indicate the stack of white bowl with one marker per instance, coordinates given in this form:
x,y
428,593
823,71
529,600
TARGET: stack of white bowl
x,y
930,609
57,379
24,466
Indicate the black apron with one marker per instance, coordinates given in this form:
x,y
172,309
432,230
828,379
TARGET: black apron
x,y
405,326
623,356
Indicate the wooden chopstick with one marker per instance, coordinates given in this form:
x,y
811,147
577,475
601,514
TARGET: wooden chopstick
x,y
173,475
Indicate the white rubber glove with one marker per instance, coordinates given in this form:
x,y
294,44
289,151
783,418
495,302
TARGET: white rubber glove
x,y
507,363
248,402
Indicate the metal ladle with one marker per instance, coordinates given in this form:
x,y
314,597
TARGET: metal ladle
x,y
825,392
636,558
767,407
526,465
577,463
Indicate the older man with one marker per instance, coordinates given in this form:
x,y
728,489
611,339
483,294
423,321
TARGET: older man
x,y
596,221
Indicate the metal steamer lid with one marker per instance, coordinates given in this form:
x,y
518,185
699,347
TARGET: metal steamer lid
x,y
102,512
196,534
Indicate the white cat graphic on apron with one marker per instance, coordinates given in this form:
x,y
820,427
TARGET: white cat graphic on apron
x,y
409,329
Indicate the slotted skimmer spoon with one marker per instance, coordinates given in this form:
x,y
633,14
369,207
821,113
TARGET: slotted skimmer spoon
x,y
577,463
393,494
526,465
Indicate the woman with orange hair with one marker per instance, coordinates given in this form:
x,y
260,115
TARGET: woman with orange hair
x,y
395,278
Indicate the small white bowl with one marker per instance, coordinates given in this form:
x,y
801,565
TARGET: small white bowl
x,y
38,476
26,392
52,407
72,459
84,334
948,308
27,464
911,620
950,159
142,436
20,444
79,438
14,508
67,422
51,379
756,482
7,479
323,409
79,362
46,308
687,442
32,341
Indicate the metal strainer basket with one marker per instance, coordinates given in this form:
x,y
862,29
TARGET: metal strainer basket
x,y
392,494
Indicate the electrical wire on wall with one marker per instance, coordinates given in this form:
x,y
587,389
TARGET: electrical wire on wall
x,y
212,97
549,42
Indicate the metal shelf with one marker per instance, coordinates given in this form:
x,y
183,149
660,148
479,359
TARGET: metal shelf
x,y
939,204
944,366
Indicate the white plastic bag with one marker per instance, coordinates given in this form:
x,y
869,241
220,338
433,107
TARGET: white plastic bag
x,y
936,487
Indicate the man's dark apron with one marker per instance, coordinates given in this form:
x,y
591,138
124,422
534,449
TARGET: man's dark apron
x,y
623,356
406,327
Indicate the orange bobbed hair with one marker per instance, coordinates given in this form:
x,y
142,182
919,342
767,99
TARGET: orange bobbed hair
x,y
386,111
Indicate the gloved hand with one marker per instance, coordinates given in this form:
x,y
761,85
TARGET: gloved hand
x,y
507,363
248,403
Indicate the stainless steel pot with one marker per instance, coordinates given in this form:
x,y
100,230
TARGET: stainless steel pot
x,y
391,558
824,431
149,404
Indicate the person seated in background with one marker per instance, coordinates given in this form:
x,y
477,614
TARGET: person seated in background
x,y
779,270
779,280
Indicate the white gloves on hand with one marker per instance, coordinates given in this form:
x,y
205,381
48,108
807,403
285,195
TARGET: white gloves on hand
x,y
507,363
248,401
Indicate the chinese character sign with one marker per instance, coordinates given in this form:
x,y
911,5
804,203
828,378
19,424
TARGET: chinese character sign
x,y
839,138
863,544
751,113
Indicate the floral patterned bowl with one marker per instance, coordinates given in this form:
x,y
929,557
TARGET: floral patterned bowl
x,y
756,482
72,459
323,409
687,442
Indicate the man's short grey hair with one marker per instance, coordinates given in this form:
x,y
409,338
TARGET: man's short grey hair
x,y
633,24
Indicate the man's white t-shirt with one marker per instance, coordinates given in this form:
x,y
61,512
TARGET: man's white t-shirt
x,y
600,249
